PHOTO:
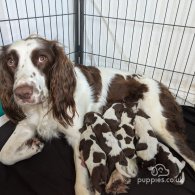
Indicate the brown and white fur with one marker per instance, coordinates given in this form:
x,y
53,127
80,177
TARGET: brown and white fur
x,y
46,94
98,139
147,143
119,118
94,158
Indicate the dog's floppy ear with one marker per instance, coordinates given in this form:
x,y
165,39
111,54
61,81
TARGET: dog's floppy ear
x,y
6,90
62,84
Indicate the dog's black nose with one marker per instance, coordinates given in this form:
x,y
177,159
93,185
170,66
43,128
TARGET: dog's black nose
x,y
24,92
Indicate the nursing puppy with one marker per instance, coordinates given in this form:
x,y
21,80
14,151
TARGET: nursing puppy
x,y
116,161
173,164
94,158
119,118
147,143
108,143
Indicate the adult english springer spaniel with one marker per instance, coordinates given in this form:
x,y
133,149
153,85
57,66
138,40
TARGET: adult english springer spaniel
x,y
45,94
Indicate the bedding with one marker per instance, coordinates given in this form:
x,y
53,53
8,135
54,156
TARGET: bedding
x,y
1,110
52,171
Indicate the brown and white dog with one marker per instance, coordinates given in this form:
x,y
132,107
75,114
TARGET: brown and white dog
x,y
46,94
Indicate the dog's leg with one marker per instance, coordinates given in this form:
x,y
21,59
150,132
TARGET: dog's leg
x,y
82,185
20,145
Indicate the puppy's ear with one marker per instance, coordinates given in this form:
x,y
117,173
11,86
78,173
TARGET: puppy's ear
x,y
89,118
104,108
11,109
62,84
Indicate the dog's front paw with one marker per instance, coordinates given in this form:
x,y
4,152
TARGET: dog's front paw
x,y
10,155
35,145
83,190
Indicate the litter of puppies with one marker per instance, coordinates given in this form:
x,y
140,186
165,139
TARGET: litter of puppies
x,y
114,143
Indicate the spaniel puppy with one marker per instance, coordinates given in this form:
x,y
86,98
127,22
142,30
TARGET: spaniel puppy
x,y
116,161
45,93
173,164
94,158
147,143
108,143
119,119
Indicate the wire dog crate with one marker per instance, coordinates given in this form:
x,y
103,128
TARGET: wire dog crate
x,y
150,37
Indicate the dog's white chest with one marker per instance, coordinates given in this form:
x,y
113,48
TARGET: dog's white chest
x,y
47,127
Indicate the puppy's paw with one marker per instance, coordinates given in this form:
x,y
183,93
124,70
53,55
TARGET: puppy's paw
x,y
117,187
132,168
117,183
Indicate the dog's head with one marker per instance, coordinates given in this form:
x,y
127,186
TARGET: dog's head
x,y
35,70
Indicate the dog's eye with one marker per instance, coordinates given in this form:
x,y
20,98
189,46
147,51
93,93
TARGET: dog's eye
x,y
42,58
11,62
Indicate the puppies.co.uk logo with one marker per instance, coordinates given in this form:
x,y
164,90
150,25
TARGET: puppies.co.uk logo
x,y
161,175
160,171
